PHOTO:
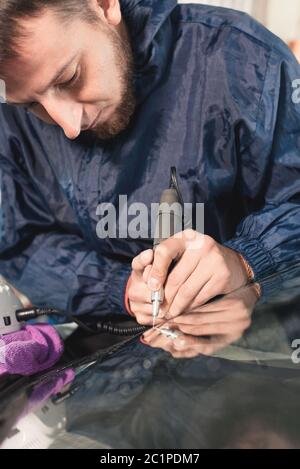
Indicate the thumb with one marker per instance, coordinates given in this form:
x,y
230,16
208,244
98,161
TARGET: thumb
x,y
141,261
147,273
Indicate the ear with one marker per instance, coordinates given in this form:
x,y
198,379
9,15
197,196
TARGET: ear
x,y
111,11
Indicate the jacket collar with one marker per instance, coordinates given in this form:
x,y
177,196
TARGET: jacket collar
x,y
151,43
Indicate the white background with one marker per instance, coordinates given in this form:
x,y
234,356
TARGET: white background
x,y
282,18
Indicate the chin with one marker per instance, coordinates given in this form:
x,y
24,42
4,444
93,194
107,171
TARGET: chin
x,y
117,123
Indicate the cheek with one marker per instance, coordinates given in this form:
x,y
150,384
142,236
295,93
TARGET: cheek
x,y
100,86
102,80
110,83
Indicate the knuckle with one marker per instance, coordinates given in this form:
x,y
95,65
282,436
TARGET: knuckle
x,y
190,234
209,242
185,291
162,251
158,273
174,279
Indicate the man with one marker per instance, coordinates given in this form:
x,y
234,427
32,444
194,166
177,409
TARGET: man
x,y
134,87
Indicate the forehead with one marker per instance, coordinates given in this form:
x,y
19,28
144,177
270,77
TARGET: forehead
x,y
48,44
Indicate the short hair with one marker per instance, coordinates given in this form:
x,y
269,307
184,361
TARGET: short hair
x,y
12,11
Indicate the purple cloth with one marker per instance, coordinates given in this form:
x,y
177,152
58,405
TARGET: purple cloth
x,y
51,387
30,350
42,392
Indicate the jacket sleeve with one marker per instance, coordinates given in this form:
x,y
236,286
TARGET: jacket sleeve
x,y
51,266
269,237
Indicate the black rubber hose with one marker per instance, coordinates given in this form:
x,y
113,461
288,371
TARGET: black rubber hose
x,y
101,326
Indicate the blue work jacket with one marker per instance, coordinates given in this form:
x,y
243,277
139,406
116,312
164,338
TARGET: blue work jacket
x,y
217,98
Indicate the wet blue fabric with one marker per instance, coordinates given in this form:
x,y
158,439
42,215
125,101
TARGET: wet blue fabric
x,y
214,91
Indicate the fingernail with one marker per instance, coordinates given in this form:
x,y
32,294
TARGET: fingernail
x,y
153,284
142,339
145,255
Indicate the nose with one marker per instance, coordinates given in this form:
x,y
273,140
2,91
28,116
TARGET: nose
x,y
65,113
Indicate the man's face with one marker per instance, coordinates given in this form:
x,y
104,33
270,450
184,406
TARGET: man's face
x,y
94,91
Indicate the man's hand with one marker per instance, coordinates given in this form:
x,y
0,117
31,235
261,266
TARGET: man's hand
x,y
208,328
204,269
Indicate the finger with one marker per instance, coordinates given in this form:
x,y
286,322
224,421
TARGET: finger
x,y
143,320
205,346
142,260
146,308
180,273
207,281
239,302
221,328
195,346
138,292
223,304
151,334
185,354
141,308
146,273
156,332
209,291
198,318
164,254
187,348
195,292
188,292
147,319
159,341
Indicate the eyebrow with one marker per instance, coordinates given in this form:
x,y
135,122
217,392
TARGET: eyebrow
x,y
53,80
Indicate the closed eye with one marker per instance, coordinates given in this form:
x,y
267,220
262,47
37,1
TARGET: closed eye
x,y
69,83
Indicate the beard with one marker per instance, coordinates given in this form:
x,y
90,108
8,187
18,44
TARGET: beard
x,y
121,118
